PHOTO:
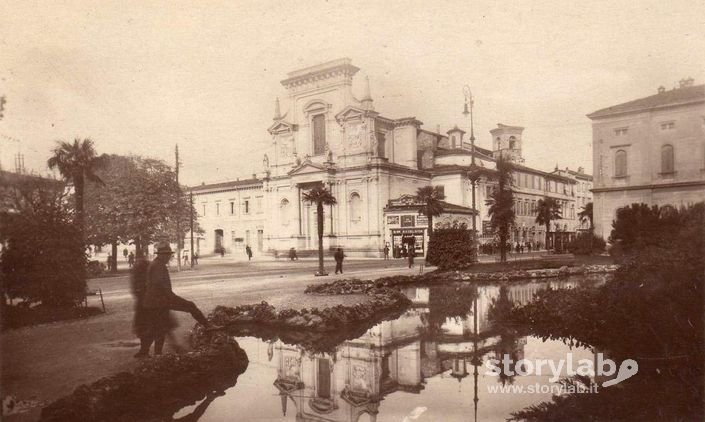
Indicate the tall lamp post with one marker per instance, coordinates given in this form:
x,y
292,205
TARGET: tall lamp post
x,y
473,175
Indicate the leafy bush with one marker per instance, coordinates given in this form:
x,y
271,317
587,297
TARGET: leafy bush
x,y
451,248
44,260
651,311
586,244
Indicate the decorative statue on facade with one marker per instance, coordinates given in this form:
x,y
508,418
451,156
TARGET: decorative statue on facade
x,y
374,144
328,153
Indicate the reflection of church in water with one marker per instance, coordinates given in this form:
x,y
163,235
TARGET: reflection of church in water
x,y
397,355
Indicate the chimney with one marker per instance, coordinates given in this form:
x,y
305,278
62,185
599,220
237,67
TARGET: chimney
x,y
661,89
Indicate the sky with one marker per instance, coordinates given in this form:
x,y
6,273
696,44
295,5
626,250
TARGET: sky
x,y
139,77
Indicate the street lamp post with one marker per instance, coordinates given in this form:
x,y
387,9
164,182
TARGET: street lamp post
x,y
473,176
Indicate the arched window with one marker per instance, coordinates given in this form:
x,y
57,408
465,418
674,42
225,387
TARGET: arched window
x,y
284,209
667,159
355,207
620,163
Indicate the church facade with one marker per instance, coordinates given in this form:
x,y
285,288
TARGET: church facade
x,y
322,134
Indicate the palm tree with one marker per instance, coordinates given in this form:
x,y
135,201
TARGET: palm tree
x,y
501,203
77,162
586,214
548,209
320,196
430,197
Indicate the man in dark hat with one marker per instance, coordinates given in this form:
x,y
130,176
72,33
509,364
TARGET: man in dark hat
x,y
159,299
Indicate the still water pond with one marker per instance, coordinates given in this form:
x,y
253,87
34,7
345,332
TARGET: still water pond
x,y
429,364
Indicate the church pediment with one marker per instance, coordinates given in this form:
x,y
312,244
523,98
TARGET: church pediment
x,y
351,113
281,127
308,167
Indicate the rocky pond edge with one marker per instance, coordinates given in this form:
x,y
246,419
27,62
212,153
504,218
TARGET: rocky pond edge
x,y
162,385
357,286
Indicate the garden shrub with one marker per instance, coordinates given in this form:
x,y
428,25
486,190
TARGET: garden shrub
x,y
44,259
586,244
651,311
451,248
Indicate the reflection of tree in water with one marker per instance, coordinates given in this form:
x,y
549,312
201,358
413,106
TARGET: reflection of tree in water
x,y
454,301
509,337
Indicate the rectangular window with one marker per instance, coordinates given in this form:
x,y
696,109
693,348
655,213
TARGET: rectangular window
x,y
246,207
620,163
232,208
217,209
441,190
258,204
319,134
620,131
204,210
668,125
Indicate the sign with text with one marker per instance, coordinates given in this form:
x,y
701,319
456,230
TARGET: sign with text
x,y
407,221
421,220
393,219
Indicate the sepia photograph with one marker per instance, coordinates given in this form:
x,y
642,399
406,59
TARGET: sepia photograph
x,y
368,211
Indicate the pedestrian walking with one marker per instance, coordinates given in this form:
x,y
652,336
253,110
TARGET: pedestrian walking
x,y
411,253
131,260
222,252
386,251
292,255
339,256
159,299
248,251
109,262
195,258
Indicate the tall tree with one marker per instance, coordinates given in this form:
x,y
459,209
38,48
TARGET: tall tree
x,y
585,215
430,197
501,203
140,203
320,196
77,162
548,209
43,258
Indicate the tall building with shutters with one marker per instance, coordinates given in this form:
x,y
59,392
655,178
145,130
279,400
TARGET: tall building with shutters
x,y
649,150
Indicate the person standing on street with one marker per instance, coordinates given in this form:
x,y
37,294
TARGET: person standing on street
x,y
159,299
411,253
248,251
131,260
386,251
339,256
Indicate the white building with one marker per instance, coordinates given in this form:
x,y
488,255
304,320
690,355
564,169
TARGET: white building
x,y
322,134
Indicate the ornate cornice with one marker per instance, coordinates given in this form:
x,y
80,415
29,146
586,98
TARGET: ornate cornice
x,y
336,68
